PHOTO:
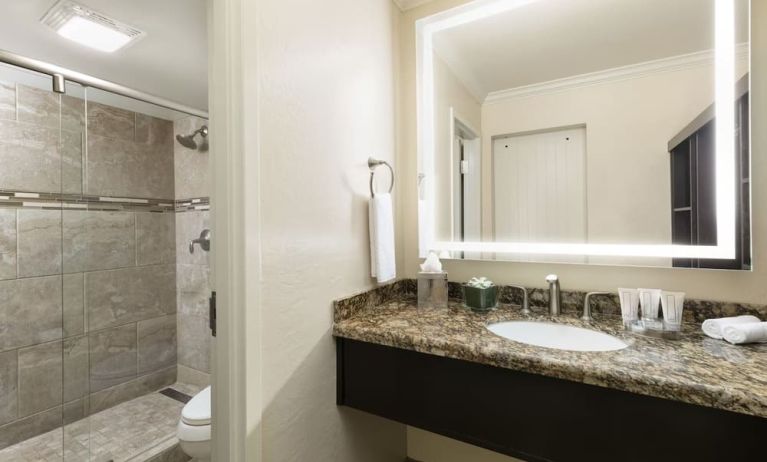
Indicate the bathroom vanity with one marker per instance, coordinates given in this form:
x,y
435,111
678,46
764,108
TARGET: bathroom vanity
x,y
602,135
443,371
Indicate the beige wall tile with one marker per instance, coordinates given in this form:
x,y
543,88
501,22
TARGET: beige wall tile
x,y
34,154
111,167
40,372
30,311
187,375
151,130
129,295
28,427
188,227
98,240
155,238
71,162
193,287
74,411
191,166
7,101
76,371
113,396
156,167
110,121
194,342
39,242
39,107
8,386
72,113
7,243
156,344
74,304
112,356
128,169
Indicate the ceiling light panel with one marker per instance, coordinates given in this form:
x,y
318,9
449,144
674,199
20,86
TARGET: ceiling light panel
x,y
90,28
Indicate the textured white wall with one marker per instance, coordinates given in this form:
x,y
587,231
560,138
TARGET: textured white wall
x,y
449,93
326,102
424,446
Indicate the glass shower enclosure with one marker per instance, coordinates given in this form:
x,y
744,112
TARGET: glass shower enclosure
x,y
88,280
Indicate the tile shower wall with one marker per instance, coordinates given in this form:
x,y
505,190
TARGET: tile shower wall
x,y
87,282
192,269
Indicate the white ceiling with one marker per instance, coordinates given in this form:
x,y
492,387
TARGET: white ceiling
x,y
171,61
552,39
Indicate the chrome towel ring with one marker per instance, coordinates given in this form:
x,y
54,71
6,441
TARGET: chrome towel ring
x,y
373,164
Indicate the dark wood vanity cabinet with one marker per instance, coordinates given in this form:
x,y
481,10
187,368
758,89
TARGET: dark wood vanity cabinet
x,y
693,187
534,417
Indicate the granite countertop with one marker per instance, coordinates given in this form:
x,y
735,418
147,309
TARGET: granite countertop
x,y
694,369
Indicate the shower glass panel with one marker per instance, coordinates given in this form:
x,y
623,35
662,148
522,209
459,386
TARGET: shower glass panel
x,y
122,248
88,271
33,325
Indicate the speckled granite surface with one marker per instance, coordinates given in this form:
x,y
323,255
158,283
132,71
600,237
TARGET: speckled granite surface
x,y
694,369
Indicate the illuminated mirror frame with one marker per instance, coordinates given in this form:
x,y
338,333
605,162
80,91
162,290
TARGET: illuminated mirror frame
x,y
725,146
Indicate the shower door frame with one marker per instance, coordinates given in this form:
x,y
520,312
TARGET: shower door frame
x,y
61,75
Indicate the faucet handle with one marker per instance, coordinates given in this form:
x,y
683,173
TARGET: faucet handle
x,y
587,305
525,299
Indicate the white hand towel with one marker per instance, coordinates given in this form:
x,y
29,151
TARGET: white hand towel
x,y
714,327
382,257
745,333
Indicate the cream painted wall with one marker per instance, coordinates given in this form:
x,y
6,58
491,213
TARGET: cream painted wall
x,y
708,284
629,124
424,446
326,83
449,93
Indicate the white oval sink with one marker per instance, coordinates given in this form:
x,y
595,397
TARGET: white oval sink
x,y
559,336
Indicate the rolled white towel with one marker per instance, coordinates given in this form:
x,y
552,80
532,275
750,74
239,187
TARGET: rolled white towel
x,y
714,327
745,333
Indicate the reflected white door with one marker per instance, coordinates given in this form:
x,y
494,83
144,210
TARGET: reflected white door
x,y
539,189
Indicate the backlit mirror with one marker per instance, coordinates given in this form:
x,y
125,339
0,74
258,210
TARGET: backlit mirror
x,y
586,131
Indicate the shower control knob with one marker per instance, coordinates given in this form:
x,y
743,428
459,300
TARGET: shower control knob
x,y
203,241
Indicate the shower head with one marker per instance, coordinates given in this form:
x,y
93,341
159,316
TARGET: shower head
x,y
188,140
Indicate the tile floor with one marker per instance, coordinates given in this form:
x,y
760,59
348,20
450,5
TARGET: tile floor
x,y
130,431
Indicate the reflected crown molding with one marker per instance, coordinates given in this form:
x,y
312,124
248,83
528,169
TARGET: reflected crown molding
x,y
405,5
632,71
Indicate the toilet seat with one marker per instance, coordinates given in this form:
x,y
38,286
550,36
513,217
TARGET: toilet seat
x,y
194,426
197,411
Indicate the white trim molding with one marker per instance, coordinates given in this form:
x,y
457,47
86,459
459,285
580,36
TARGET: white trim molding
x,y
405,5
235,257
616,74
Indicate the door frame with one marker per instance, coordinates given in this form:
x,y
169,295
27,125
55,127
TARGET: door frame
x,y
235,262
473,146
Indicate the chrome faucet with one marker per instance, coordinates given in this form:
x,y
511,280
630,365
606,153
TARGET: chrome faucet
x,y
555,295
587,305
525,300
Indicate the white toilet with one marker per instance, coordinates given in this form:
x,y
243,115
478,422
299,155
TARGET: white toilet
x,y
194,427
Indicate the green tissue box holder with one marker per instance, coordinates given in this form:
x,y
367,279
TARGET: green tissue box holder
x,y
478,299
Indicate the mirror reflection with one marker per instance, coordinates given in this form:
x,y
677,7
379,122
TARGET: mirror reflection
x,y
586,121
